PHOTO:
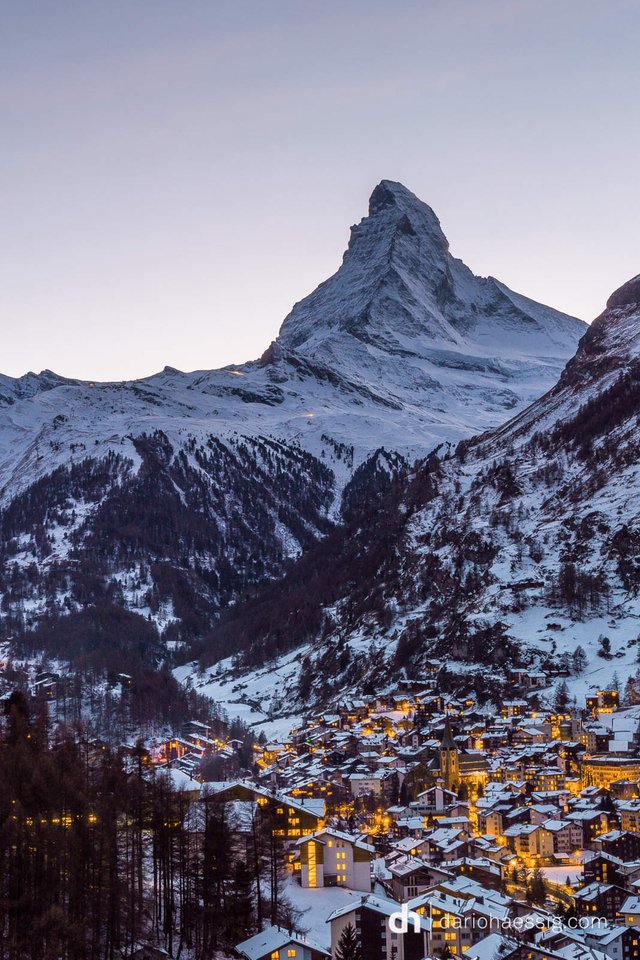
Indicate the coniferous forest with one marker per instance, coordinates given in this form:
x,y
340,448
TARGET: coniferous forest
x,y
99,853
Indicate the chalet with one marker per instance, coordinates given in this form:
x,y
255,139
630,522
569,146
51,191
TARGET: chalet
x,y
629,814
433,666
48,684
363,784
276,943
526,733
514,708
604,701
548,778
592,822
487,848
630,911
530,841
353,711
451,922
330,858
596,738
496,819
459,910
484,871
599,900
411,876
292,817
607,869
625,790
195,728
619,843
566,835
532,679
541,812
445,843
409,827
272,752
614,940
370,917
434,800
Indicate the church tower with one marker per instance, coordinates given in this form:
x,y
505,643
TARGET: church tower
x,y
449,769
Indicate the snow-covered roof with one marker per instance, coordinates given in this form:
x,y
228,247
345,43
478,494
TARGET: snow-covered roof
x,y
275,938
381,905
492,947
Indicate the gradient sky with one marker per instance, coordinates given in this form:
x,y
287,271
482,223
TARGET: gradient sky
x,y
175,175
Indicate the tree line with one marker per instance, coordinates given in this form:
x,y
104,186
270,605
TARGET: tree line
x,y
99,852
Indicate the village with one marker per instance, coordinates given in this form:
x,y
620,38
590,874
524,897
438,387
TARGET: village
x,y
498,834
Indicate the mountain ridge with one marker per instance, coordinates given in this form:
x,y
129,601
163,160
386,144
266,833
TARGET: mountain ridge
x,y
516,549
100,482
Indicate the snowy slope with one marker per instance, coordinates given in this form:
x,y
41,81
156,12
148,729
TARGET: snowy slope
x,y
180,492
516,550
403,348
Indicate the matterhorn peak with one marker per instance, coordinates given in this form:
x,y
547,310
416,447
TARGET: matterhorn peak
x,y
390,193
396,204
400,290
387,194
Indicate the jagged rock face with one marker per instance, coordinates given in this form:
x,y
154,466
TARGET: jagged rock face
x,y
517,549
610,342
458,339
403,349
628,295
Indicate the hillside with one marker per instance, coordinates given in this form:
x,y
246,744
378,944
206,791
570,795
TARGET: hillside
x,y
519,548
156,504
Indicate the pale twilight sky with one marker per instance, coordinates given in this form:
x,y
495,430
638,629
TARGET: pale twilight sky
x,y
175,175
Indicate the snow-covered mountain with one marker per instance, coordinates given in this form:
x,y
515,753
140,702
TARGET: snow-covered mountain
x,y
401,311
171,496
519,548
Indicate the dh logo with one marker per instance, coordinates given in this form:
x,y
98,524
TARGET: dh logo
x,y
401,920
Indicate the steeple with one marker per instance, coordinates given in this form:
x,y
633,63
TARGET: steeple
x,y
449,768
447,742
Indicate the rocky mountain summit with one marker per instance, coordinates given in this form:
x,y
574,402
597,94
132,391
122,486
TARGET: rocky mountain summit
x,y
157,503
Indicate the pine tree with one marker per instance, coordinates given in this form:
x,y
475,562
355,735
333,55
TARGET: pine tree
x,y
241,903
631,692
604,649
536,888
579,659
348,947
561,699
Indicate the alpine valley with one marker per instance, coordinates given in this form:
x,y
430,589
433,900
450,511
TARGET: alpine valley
x,y
422,465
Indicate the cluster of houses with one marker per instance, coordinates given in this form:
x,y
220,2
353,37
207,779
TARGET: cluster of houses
x,y
446,828
427,804
188,752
